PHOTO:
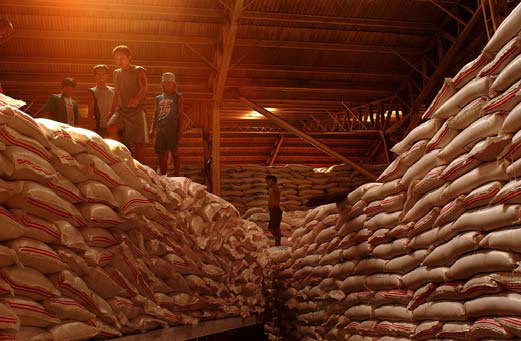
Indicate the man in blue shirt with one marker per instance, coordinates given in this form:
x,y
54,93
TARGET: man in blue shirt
x,y
168,120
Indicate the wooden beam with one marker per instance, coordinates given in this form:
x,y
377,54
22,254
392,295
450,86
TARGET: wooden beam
x,y
29,34
440,70
340,21
386,150
275,151
307,138
228,42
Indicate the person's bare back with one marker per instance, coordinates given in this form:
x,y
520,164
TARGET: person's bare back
x,y
274,196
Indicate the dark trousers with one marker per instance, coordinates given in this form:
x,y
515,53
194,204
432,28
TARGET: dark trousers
x,y
274,224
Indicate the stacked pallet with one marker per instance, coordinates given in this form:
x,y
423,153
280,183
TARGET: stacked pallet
x,y
432,250
97,245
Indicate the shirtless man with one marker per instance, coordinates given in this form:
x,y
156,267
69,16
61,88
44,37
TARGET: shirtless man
x,y
274,208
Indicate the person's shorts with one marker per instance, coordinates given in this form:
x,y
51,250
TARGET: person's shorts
x,y
166,137
102,132
133,125
275,219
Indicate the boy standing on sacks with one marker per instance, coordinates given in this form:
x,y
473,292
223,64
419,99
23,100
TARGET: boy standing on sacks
x,y
168,120
128,107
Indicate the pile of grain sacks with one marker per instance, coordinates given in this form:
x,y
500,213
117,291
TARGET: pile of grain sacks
x,y
245,186
432,251
96,245
290,221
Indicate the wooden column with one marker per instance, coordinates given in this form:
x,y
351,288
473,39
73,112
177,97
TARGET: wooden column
x,y
223,57
319,145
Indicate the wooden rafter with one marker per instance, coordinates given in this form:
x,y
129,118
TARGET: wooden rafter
x,y
223,57
307,138
438,73
200,40
275,151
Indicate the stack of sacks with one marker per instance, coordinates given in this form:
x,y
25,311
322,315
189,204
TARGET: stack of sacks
x,y
278,292
245,186
98,245
261,217
313,290
194,172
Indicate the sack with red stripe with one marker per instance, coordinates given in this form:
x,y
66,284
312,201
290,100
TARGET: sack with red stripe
x,y
76,263
476,88
486,126
26,165
29,282
98,257
9,321
11,228
103,284
70,285
37,228
11,137
125,306
118,277
94,144
427,330
130,178
442,311
73,331
178,264
506,101
100,215
446,91
37,255
66,189
483,195
507,77
468,114
70,236
98,237
486,328
130,201
24,124
104,311
96,192
105,331
487,172
68,309
442,136
471,70
8,189
118,149
69,167
446,253
459,167
100,170
144,323
33,334
44,203
152,282
56,134
30,312
502,58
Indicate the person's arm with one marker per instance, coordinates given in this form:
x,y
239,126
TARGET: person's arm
x,y
134,101
154,121
90,104
115,101
277,196
181,118
49,108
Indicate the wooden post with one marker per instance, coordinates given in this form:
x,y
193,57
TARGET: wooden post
x,y
223,56
319,145
386,151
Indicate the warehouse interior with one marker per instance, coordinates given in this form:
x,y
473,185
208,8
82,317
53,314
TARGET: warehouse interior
x,y
390,126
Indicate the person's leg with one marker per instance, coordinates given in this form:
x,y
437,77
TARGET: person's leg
x,y
139,151
113,132
163,162
114,125
175,158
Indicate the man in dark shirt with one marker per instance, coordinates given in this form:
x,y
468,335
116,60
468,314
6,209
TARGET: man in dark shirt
x,y
128,107
274,208
62,107
168,120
